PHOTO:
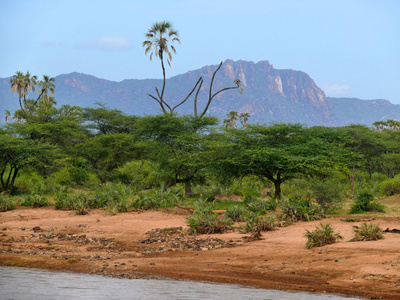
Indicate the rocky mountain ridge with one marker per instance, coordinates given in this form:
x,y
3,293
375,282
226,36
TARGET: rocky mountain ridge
x,y
270,95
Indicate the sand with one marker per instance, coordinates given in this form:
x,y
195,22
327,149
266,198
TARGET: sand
x,y
100,243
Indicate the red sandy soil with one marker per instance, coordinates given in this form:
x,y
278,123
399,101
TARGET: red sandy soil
x,y
100,243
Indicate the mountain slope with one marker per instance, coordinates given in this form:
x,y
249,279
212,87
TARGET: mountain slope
x,y
270,95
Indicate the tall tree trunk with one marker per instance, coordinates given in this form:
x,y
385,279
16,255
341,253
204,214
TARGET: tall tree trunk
x,y
277,184
13,180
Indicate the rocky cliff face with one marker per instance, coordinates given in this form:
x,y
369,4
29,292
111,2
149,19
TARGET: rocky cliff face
x,y
270,94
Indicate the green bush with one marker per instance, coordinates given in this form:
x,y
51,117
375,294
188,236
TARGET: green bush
x,y
236,213
367,232
35,201
297,188
298,209
113,196
158,198
7,203
247,186
257,223
329,194
78,202
261,206
390,186
321,236
364,203
140,174
78,175
30,183
205,221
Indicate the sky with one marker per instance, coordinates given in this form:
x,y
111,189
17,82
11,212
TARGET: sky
x,y
350,48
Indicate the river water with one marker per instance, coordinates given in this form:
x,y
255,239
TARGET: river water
x,y
21,284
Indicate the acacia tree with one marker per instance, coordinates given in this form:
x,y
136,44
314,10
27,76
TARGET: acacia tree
x,y
175,144
158,39
18,151
278,152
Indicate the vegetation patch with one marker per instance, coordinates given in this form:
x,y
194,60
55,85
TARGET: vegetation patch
x,y
7,203
365,203
367,232
325,235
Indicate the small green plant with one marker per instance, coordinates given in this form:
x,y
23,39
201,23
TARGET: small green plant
x,y
298,209
7,203
367,232
364,203
236,213
80,203
321,236
158,198
205,221
257,223
35,201
261,206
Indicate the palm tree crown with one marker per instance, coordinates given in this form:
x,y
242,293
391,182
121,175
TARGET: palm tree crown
x,y
46,85
158,38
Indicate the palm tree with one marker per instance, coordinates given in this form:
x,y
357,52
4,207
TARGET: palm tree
x,y
17,82
46,85
158,38
244,117
233,117
7,116
22,84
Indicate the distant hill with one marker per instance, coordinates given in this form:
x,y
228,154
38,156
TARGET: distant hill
x,y
270,95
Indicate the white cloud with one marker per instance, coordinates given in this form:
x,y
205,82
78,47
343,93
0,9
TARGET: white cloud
x,y
336,89
113,43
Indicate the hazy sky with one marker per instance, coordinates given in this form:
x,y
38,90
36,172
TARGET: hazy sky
x,y
350,48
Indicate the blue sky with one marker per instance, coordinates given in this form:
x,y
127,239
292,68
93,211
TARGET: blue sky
x,y
350,48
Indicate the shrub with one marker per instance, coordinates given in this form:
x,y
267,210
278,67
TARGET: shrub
x,y
294,210
364,202
7,203
390,187
205,221
367,232
159,198
35,201
257,223
321,236
328,194
247,186
111,195
78,202
236,213
261,206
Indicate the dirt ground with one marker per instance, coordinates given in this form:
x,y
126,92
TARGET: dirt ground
x,y
118,245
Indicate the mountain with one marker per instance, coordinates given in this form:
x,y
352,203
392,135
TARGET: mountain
x,y
270,95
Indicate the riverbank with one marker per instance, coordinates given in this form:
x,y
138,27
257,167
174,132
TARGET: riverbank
x,y
120,245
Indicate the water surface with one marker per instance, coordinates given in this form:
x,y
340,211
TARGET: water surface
x,y
21,284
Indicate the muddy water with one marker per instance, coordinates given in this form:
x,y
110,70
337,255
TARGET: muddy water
x,y
21,284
